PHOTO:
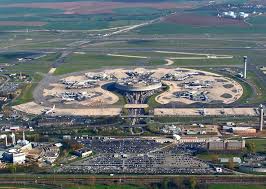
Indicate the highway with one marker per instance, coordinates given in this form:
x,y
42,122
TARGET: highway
x,y
56,181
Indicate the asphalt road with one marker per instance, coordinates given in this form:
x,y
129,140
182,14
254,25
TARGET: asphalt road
x,y
58,180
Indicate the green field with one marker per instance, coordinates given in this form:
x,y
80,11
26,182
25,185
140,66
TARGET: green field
x,y
4,186
27,91
194,42
12,56
260,144
81,62
208,156
41,65
261,88
107,187
171,28
235,186
54,19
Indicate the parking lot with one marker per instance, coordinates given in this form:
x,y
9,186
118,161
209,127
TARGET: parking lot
x,y
135,155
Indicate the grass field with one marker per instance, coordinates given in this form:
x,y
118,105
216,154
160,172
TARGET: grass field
x,y
260,144
12,56
27,91
208,156
235,186
54,19
194,42
81,62
41,65
247,92
171,28
261,88
4,186
107,187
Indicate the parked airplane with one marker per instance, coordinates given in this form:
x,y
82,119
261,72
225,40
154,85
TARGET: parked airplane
x,y
49,111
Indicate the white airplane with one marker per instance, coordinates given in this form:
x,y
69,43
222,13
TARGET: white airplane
x,y
49,111
67,99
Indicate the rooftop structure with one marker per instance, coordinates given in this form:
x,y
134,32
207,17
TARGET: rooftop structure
x,y
83,152
226,145
14,156
79,84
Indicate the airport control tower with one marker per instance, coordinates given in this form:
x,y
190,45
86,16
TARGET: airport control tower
x,y
245,66
261,112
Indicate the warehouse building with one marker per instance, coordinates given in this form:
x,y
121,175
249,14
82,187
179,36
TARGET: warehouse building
x,y
230,145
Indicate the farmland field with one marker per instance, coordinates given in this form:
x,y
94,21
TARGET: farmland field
x,y
81,15
77,29
170,28
196,20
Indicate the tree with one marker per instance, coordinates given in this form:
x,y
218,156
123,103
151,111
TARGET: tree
x,y
165,183
251,147
215,158
192,182
12,168
230,164
179,182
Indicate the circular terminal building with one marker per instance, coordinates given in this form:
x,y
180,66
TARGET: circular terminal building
x,y
138,82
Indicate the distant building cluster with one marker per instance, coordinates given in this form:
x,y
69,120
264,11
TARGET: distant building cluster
x,y
23,151
234,15
137,81
195,129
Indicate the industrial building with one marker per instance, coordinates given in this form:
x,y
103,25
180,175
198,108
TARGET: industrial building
x,y
230,145
240,130
234,159
14,156
83,152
